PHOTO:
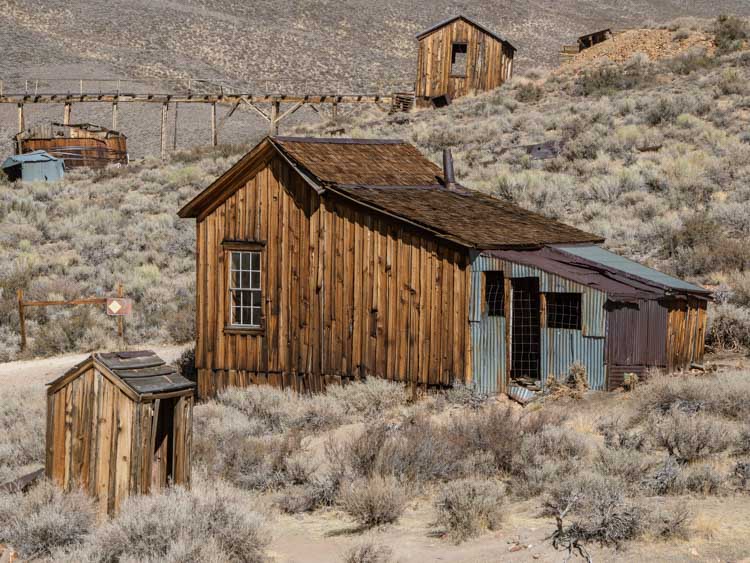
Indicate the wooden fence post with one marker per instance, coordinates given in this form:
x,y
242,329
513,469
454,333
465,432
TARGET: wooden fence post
x,y
114,116
120,319
66,113
214,136
164,110
174,140
21,120
22,320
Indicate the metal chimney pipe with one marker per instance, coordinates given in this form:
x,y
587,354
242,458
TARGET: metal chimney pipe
x,y
448,175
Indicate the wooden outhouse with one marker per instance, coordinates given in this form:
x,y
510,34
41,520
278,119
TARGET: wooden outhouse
x,y
325,260
119,424
458,56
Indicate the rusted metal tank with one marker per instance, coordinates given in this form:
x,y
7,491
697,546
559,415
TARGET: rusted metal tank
x,y
79,145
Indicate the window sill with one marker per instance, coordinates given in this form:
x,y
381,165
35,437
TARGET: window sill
x,y
246,330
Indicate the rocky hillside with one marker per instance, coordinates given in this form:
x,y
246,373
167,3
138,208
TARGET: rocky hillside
x,y
280,44
652,154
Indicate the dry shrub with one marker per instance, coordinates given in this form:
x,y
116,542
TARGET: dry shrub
x,y
373,502
320,490
741,474
186,364
45,519
22,417
664,479
629,466
265,463
729,327
173,526
368,552
369,398
466,507
701,479
730,32
667,524
599,510
283,410
689,437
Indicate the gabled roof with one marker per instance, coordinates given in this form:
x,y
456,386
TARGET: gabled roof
x,y
470,22
394,178
138,373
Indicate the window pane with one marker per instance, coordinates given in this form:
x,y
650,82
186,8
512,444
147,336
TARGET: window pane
x,y
236,260
244,280
256,316
255,281
245,260
256,261
494,293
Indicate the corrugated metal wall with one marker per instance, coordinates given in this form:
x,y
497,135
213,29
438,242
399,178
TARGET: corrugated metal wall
x,y
487,333
560,347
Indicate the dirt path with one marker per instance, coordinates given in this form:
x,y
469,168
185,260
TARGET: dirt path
x,y
39,372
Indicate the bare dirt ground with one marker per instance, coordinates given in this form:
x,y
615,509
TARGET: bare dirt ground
x,y
721,533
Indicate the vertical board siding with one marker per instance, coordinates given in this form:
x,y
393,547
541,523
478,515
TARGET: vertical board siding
x,y
99,439
559,348
347,293
488,61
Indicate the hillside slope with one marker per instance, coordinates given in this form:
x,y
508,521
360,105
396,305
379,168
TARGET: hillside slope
x,y
265,45
655,157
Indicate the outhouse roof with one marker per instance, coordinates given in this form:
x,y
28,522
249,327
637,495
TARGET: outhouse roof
x,y
470,22
138,373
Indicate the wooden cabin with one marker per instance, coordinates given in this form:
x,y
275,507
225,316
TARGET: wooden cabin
x,y
458,56
119,424
327,260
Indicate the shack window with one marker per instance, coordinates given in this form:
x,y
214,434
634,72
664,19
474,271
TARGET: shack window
x,y
564,310
494,293
245,288
458,59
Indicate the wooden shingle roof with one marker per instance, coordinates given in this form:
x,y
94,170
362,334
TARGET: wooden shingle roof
x,y
393,177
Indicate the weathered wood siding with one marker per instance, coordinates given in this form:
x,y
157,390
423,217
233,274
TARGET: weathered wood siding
x,y
101,440
686,332
347,293
489,62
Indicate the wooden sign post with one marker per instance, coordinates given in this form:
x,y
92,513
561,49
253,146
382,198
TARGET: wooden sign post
x,y
118,307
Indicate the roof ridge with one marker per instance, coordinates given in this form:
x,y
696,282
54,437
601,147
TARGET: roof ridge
x,y
337,140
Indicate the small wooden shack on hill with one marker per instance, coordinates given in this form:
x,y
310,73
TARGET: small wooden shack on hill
x,y
119,424
323,260
79,145
459,56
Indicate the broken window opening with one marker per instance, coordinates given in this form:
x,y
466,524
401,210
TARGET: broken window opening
x,y
458,59
494,293
564,310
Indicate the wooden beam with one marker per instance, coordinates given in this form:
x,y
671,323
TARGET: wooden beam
x,y
114,116
195,99
259,111
290,111
174,139
164,110
334,113
66,113
22,319
214,135
21,120
227,116
274,129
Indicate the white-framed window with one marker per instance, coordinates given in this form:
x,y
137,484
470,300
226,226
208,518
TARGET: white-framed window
x,y
245,289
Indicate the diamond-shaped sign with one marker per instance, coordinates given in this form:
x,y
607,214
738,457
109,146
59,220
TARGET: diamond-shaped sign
x,y
119,307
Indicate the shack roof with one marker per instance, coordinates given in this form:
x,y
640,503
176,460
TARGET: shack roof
x,y
393,177
29,157
592,266
470,22
142,372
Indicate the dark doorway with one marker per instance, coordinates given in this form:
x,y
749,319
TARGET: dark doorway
x,y
161,468
525,336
